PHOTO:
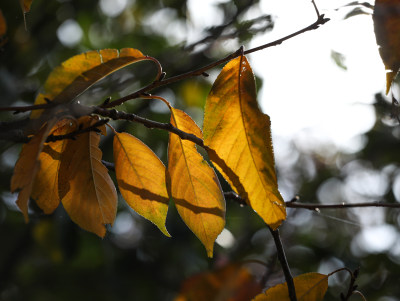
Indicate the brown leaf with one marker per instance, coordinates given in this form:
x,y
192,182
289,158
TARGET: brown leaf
x,y
27,166
386,18
45,188
85,188
141,179
232,282
239,137
26,5
3,24
194,185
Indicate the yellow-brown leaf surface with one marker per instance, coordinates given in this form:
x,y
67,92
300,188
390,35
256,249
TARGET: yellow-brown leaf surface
x,y
387,27
85,188
45,188
239,137
27,167
232,282
26,5
309,287
141,179
78,73
194,186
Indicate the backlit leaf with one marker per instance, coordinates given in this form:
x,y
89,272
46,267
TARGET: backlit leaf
x,y
194,185
239,137
387,27
45,188
309,287
78,73
85,188
232,282
27,167
141,179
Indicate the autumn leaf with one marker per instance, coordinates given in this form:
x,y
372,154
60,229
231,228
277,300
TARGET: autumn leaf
x,y
85,188
26,5
141,179
27,166
80,72
3,24
194,185
232,282
386,18
45,188
309,287
239,137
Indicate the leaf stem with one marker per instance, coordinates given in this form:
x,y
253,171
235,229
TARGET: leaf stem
x,y
284,263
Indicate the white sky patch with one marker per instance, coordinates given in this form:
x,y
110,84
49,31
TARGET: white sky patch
x,y
69,33
377,239
112,8
225,239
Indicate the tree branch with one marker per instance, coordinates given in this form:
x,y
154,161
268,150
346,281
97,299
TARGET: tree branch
x,y
285,266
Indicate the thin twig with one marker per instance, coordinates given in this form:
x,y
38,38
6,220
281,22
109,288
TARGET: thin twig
x,y
285,266
311,206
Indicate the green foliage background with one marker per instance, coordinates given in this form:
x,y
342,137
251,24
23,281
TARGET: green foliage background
x,y
53,259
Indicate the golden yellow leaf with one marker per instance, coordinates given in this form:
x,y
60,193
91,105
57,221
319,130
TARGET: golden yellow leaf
x,y
86,190
194,185
27,167
309,287
80,72
239,137
386,18
45,188
141,179
232,282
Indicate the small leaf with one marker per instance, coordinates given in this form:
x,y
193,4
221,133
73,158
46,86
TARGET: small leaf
x,y
386,18
27,167
26,5
239,137
194,185
45,188
141,179
232,282
85,188
309,287
80,72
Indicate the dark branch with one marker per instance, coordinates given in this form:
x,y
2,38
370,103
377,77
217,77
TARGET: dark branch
x,y
285,265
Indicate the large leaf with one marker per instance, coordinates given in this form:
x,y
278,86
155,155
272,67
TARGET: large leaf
x,y
45,188
27,167
85,188
239,137
309,287
141,179
194,185
232,282
78,73
387,27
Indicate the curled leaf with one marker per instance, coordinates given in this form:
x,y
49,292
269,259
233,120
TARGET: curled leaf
x,y
194,185
27,166
239,139
80,72
141,179
85,188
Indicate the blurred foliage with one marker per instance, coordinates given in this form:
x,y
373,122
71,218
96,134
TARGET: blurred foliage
x,y
52,259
